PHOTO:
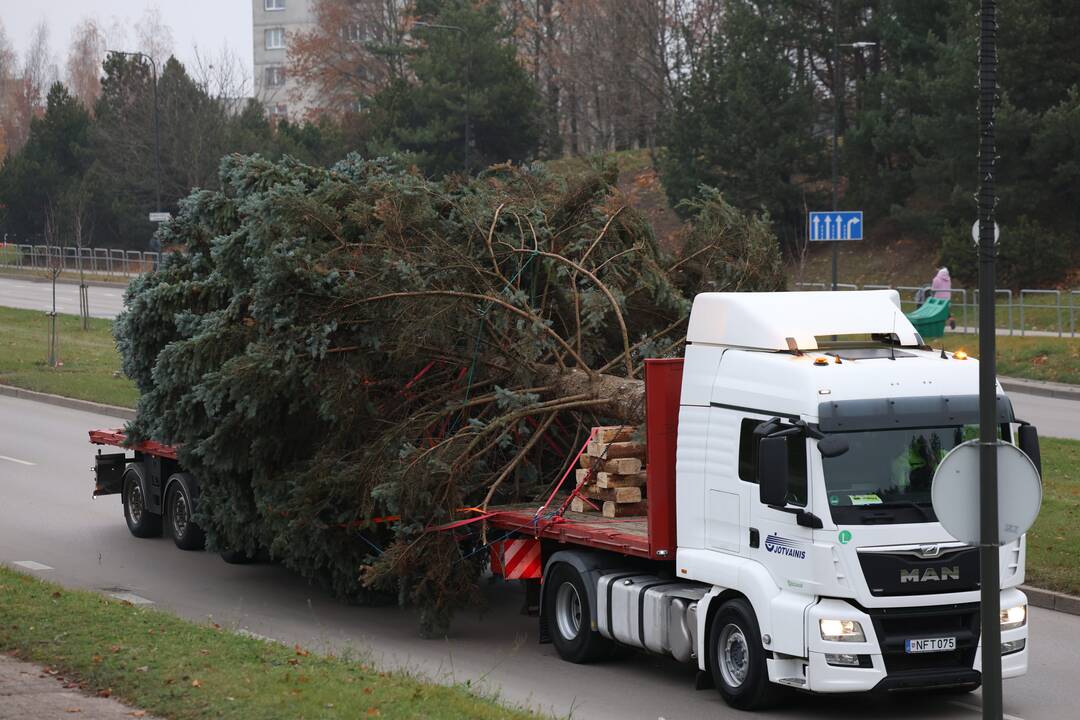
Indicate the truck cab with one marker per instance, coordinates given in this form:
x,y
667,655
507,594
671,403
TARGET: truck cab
x,y
807,551
853,582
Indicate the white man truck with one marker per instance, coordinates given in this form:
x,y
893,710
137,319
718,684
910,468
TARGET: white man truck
x,y
789,540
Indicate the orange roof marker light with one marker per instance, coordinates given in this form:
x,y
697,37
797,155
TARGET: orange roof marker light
x,y
821,361
960,355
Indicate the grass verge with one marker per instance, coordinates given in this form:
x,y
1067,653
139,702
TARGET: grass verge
x,y
1035,358
1053,544
183,671
91,364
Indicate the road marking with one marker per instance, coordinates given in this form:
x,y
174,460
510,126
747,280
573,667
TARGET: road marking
x,y
31,565
17,460
978,709
132,598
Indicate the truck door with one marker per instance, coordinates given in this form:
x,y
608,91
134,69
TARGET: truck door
x,y
775,537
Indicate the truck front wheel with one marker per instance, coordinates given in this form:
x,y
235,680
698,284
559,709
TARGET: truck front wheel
x,y
140,521
569,617
737,658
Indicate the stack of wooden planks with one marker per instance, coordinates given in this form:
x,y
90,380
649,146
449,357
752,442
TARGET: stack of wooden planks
x,y
613,470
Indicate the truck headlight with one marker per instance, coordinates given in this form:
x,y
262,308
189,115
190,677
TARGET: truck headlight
x,y
1014,617
842,631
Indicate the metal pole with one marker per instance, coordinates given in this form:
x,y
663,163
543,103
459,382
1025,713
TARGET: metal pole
x,y
157,134
835,123
988,479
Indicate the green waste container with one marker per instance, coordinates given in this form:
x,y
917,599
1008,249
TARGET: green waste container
x,y
929,320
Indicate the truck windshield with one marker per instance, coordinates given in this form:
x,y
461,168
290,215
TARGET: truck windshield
x,y
885,475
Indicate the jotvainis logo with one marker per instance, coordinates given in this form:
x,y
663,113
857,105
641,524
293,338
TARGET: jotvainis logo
x,y
784,546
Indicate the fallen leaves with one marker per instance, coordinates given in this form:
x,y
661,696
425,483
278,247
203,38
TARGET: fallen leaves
x,y
196,683
104,693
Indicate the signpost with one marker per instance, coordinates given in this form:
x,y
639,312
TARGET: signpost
x,y
160,217
836,225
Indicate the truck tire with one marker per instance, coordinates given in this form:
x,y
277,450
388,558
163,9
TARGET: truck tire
x,y
178,510
566,604
737,658
141,522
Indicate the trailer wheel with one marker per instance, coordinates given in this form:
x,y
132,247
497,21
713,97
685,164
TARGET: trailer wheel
x,y
566,604
178,509
140,521
737,658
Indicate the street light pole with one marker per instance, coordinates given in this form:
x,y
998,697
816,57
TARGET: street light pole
x,y
835,123
468,82
989,552
837,78
157,124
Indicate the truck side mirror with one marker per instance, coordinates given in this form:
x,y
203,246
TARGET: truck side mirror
x,y
832,446
1029,443
772,471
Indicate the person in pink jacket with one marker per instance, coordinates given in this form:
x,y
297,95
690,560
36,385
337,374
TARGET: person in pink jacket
x,y
940,288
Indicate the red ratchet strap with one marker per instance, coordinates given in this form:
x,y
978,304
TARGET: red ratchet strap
x,y
577,489
460,523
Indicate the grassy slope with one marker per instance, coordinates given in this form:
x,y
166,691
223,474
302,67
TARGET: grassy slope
x,y
1036,358
185,671
90,368
1053,559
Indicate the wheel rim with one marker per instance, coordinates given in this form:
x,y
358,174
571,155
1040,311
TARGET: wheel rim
x,y
734,655
180,514
568,611
135,503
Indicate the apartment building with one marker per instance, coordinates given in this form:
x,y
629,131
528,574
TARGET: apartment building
x,y
273,21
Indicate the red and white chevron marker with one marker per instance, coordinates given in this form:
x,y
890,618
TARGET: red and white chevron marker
x,y
517,559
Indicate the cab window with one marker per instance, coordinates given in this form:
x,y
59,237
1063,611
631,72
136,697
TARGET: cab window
x,y
796,460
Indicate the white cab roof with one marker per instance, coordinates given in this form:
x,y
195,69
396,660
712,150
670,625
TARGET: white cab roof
x,y
766,320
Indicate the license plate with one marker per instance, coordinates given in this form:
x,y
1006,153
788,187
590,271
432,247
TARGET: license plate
x,y
929,645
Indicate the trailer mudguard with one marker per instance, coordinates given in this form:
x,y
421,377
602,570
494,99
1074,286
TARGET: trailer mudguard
x,y
590,565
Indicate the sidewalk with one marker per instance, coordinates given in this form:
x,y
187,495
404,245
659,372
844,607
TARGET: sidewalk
x,y
27,691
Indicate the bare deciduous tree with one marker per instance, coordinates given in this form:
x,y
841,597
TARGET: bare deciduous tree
x,y
153,36
84,62
352,52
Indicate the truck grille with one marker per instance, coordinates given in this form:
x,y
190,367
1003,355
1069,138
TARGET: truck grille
x,y
905,573
894,626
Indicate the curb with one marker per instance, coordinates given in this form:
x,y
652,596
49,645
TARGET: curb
x,y
1061,391
60,281
66,402
1052,600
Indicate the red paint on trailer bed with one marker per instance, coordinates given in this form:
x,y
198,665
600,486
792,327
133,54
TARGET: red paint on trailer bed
x,y
117,438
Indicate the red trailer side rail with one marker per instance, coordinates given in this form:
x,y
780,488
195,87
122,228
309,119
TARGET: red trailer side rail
x,y
650,537
117,438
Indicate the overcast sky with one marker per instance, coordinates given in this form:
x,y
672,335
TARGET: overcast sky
x,y
209,25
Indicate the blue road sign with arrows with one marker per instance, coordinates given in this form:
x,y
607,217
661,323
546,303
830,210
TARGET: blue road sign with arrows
x,y
836,225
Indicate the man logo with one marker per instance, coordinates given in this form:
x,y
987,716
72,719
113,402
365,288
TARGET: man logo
x,y
930,574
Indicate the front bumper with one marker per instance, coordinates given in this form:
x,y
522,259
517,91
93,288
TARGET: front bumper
x,y
885,665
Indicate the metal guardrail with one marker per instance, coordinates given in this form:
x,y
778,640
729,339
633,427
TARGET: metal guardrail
x,y
96,261
1040,310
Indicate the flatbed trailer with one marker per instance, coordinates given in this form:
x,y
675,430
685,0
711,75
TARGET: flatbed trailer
x,y
649,536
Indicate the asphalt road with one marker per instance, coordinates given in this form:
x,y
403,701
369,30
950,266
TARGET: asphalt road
x,y
105,302
1054,417
47,517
